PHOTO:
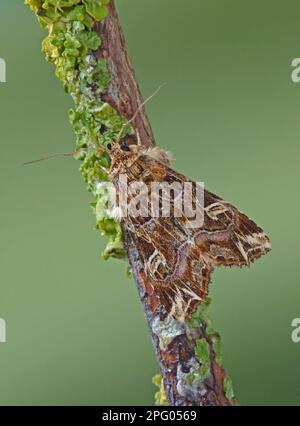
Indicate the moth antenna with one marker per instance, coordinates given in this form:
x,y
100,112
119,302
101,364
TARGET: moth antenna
x,y
69,154
144,103
48,157
139,142
138,110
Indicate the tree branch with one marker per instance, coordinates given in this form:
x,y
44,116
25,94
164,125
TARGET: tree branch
x,y
188,354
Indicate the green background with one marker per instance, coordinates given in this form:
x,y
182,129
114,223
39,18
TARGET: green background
x,y
230,113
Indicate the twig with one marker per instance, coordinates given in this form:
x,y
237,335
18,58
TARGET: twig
x,y
188,354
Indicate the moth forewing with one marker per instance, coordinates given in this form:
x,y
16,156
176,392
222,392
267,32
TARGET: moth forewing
x,y
178,253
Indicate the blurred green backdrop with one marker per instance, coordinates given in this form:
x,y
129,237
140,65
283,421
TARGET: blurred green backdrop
x,y
230,113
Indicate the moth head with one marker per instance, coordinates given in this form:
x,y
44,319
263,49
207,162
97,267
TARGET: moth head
x,y
122,149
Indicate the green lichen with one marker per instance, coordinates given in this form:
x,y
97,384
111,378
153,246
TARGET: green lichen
x,y
200,316
96,9
200,319
228,388
160,396
203,357
212,343
71,46
217,347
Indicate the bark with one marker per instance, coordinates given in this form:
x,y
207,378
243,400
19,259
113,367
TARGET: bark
x,y
178,357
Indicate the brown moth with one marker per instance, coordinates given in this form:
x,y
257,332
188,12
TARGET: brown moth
x,y
176,260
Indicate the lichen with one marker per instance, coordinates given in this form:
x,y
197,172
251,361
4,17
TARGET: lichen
x,y
210,341
200,316
167,330
201,320
191,383
228,388
160,396
71,45
203,357
216,343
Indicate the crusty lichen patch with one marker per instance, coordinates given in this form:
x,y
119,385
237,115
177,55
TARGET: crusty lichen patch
x,y
204,346
228,388
160,396
191,383
167,330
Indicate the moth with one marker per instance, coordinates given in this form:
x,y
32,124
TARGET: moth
x,y
175,260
